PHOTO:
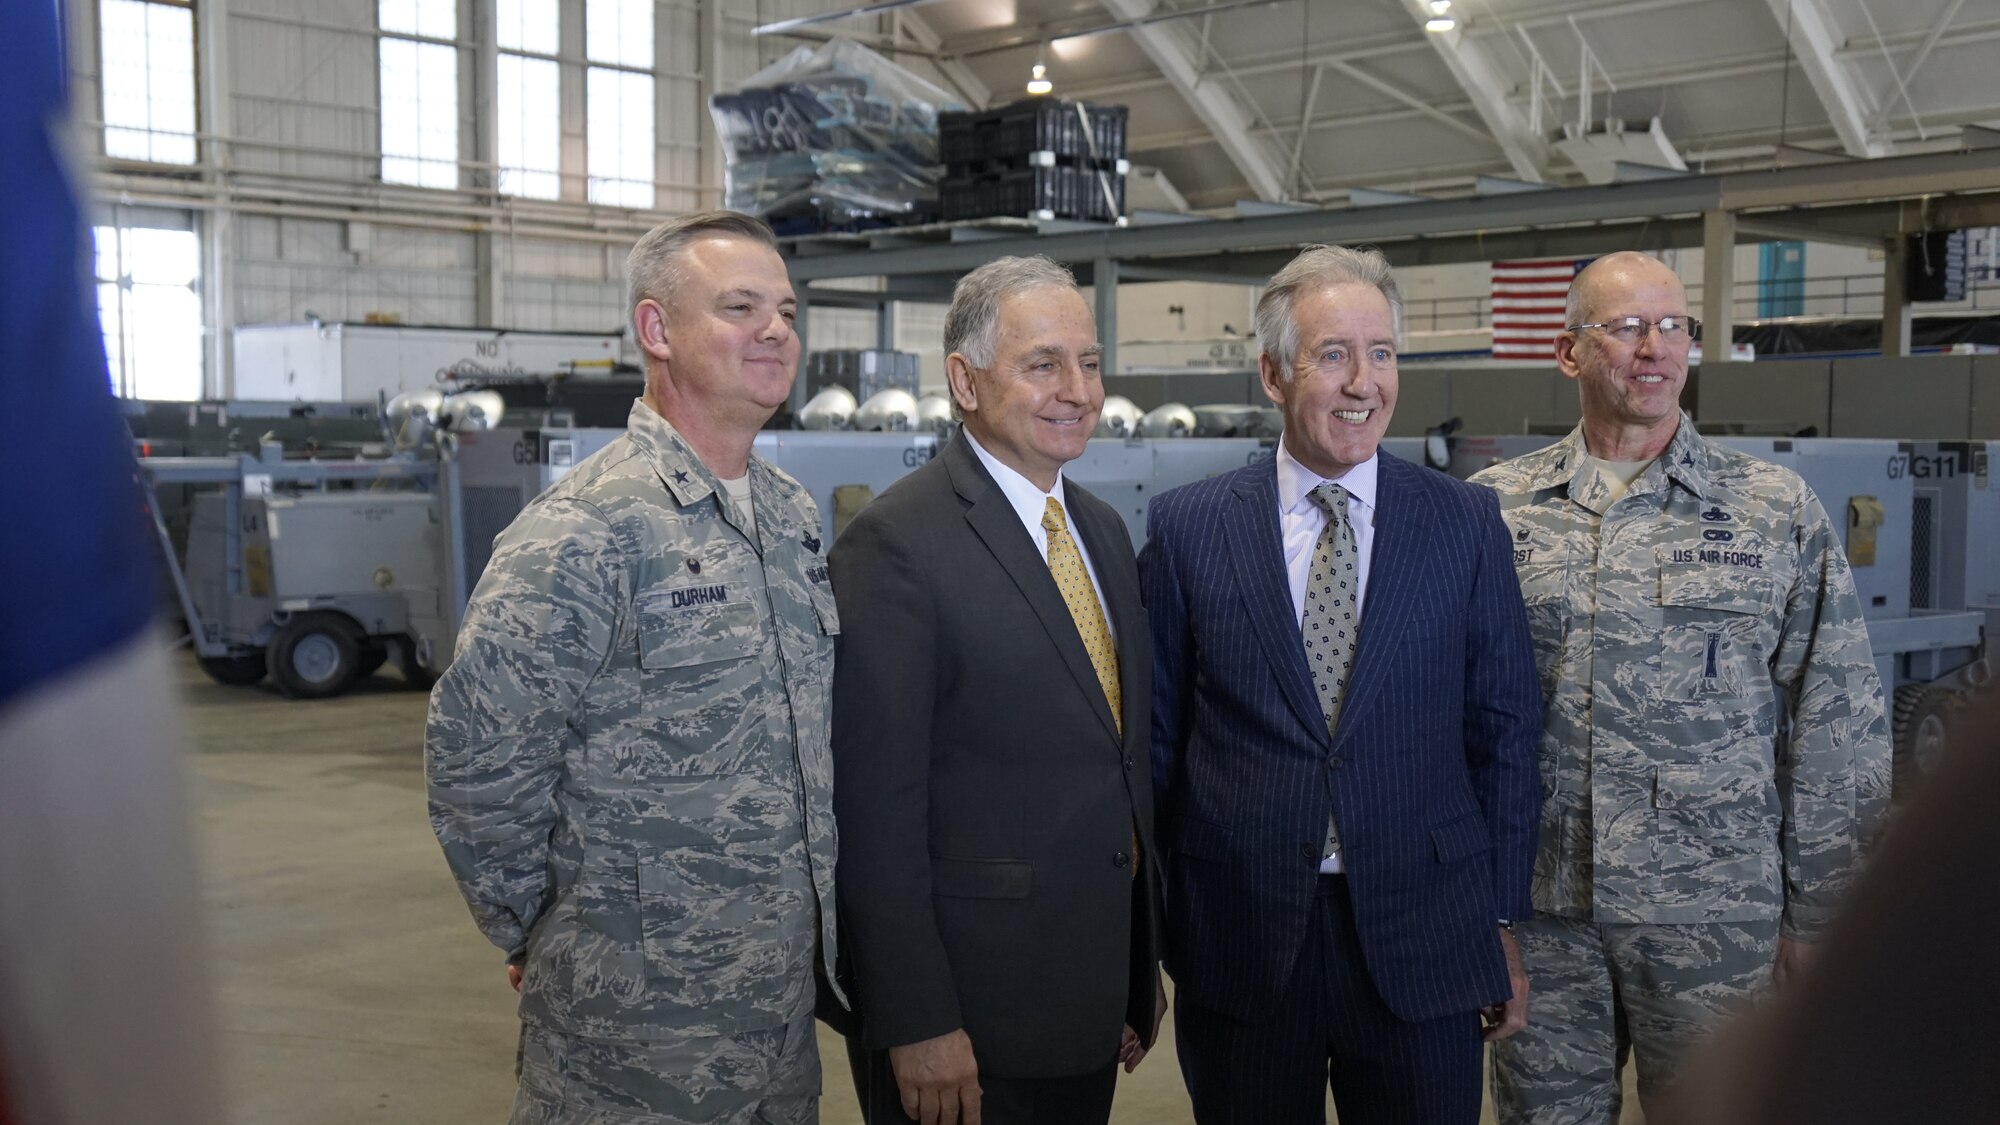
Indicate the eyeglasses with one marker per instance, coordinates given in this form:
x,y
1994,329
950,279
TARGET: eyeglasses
x,y
1677,330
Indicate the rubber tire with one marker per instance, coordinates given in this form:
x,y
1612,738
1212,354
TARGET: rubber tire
x,y
246,670
1922,724
413,669
314,633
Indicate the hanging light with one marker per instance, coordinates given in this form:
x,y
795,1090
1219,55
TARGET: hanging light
x,y
1440,20
1038,80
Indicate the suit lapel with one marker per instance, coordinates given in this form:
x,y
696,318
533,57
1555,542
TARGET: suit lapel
x,y
1257,552
1403,519
996,523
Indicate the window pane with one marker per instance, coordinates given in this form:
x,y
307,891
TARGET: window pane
x,y
619,31
526,25
107,319
148,78
437,19
530,119
162,257
619,138
419,113
163,331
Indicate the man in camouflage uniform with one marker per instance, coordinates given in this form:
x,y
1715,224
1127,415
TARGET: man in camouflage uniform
x,y
1715,745
628,759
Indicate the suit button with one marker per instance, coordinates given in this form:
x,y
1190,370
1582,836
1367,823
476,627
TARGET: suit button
x,y
1128,761
1121,860
1310,851
1333,761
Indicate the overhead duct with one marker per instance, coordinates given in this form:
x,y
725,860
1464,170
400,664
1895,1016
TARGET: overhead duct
x,y
1598,153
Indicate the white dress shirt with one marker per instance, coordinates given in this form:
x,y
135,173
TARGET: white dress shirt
x,y
1300,521
1029,502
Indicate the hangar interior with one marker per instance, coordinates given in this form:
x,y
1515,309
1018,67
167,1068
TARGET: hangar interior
x,y
303,211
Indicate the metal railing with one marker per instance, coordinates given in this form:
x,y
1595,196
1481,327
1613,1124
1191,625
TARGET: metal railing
x,y
1846,295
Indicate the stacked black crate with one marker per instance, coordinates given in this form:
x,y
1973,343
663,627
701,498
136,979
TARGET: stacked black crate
x,y
1043,158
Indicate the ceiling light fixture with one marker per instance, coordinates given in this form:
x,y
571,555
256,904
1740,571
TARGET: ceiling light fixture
x,y
1440,20
1038,81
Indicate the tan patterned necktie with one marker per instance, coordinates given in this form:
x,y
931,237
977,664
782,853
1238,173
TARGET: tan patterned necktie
x,y
1066,565
1331,625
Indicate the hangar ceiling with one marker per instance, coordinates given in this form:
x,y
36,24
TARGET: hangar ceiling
x,y
1311,101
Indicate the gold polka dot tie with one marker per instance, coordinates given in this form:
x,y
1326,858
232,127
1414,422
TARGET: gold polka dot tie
x,y
1066,565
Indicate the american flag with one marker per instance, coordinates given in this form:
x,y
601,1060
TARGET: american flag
x,y
1528,298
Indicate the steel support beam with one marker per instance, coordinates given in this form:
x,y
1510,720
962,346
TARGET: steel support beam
x,y
1226,118
1814,40
708,60
1104,288
1880,191
1472,66
975,93
1895,297
1718,293
489,252
218,228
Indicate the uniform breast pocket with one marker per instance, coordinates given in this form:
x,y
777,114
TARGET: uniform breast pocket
x,y
1714,619
1544,591
687,627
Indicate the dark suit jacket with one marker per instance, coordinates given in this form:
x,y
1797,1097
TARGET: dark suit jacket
x,y
985,800
1432,773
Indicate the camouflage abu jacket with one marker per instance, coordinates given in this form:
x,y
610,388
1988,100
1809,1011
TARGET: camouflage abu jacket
x,y
628,758
1715,745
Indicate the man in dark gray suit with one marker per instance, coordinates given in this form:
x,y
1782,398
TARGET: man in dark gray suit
x,y
990,695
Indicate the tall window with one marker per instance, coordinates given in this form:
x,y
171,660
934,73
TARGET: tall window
x,y
530,106
149,304
148,68
618,140
419,110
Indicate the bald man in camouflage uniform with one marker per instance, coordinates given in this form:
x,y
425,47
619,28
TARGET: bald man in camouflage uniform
x,y
1715,746
628,759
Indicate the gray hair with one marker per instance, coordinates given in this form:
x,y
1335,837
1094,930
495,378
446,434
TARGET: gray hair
x,y
653,269
1317,267
973,322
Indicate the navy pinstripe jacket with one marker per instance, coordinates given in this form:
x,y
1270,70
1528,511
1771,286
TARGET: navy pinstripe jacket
x,y
1432,773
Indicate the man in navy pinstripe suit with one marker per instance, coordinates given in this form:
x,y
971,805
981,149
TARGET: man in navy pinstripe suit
x,y
1345,719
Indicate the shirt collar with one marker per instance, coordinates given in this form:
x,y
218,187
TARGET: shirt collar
x,y
1025,495
684,473
1685,460
1295,481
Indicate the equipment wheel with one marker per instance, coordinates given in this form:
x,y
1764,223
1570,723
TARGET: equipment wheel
x,y
1922,725
315,655
246,670
413,670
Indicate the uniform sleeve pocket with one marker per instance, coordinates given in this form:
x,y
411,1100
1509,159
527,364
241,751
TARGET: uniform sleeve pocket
x,y
1458,839
981,878
827,611
689,625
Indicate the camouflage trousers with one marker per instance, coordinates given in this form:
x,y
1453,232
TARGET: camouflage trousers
x,y
1600,993
768,1077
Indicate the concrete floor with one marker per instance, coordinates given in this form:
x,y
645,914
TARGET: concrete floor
x,y
352,983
